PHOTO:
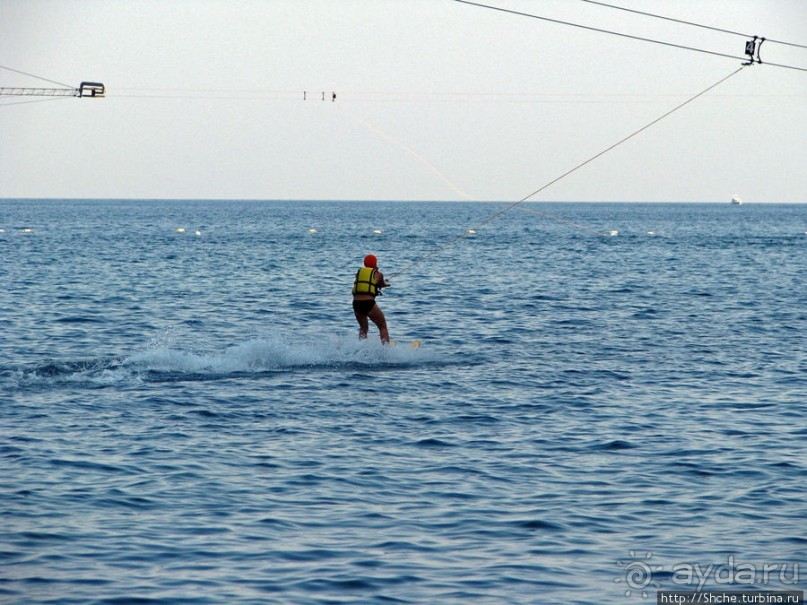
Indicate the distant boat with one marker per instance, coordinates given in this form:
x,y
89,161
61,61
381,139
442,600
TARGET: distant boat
x,y
736,200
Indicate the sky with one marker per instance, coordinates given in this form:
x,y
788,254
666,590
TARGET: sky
x,y
436,100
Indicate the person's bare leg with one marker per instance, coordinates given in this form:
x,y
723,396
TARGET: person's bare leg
x,y
363,325
377,315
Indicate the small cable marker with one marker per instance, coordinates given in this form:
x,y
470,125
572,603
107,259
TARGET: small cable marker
x,y
752,50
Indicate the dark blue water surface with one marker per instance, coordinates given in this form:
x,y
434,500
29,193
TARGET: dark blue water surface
x,y
189,417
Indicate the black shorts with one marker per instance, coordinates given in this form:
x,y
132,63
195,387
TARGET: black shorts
x,y
363,306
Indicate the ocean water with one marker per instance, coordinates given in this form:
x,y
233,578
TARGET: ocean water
x,y
189,416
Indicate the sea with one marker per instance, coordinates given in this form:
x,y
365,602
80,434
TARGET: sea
x,y
609,401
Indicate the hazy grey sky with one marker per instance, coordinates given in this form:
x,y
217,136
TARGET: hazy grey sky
x,y
436,100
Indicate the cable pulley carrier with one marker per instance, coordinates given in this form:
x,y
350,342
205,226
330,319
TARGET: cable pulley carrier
x,y
85,89
752,48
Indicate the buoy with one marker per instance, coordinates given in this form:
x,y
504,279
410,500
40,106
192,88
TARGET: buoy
x,y
181,230
471,231
377,231
27,230
312,230
613,233
198,232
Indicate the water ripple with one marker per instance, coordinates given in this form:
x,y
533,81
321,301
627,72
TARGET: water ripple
x,y
182,424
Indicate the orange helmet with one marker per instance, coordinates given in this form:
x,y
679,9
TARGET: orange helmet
x,y
371,261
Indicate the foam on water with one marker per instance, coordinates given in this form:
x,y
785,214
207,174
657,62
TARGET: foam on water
x,y
93,372
275,352
254,356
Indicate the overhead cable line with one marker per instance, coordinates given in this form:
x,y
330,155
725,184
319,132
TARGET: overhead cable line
x,y
419,157
34,76
509,207
709,27
623,35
